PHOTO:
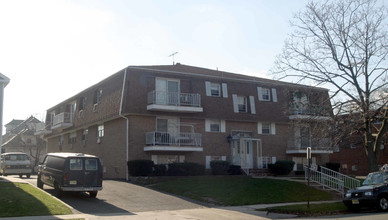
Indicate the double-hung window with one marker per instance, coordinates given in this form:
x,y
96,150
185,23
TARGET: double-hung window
x,y
266,94
215,89
266,128
242,103
100,131
214,125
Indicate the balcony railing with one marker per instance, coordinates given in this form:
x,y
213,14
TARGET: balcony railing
x,y
174,98
318,145
297,110
167,139
64,119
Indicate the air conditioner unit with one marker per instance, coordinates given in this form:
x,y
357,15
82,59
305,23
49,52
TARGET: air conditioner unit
x,y
98,140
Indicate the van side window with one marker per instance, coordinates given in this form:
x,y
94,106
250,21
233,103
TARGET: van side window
x,y
90,164
75,164
54,162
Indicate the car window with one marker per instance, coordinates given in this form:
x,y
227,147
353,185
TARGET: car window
x,y
376,178
90,164
14,157
76,164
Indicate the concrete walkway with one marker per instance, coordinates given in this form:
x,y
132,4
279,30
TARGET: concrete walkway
x,y
224,213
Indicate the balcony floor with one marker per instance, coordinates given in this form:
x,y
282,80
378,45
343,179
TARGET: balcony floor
x,y
173,148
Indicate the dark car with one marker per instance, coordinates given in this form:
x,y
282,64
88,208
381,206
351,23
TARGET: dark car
x,y
372,193
71,172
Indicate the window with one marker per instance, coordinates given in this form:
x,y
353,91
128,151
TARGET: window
x,y
242,103
214,125
266,94
100,131
215,89
82,103
85,135
97,96
354,167
352,146
266,128
72,138
75,164
90,164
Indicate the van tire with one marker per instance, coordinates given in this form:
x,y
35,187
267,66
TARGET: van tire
x,y
58,191
39,183
20,175
93,194
28,175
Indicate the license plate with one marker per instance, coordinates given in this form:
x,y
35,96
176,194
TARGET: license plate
x,y
355,201
73,182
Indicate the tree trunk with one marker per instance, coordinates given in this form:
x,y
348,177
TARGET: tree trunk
x,y
373,158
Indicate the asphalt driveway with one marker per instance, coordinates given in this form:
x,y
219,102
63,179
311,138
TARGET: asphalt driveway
x,y
121,197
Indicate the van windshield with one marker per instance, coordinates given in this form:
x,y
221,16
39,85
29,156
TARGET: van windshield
x,y
15,157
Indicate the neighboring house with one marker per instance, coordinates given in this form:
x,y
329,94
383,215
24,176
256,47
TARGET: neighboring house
x,y
20,137
180,113
350,152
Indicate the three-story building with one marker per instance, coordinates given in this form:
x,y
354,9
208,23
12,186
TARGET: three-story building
x,y
180,113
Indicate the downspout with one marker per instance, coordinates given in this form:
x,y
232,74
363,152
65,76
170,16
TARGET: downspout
x,y
127,122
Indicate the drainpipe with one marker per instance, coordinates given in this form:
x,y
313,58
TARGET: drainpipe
x,y
127,121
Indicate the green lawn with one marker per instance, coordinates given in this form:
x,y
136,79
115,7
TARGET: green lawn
x,y
314,210
239,190
22,199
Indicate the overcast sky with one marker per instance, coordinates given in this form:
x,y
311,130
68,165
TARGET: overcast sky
x,y
53,49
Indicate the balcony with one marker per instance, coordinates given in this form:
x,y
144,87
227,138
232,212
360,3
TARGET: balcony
x,y
42,129
164,141
318,146
62,120
308,111
174,102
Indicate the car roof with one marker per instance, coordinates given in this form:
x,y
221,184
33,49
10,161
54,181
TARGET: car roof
x,y
65,155
8,153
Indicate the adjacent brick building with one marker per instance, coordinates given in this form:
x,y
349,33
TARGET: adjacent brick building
x,y
180,113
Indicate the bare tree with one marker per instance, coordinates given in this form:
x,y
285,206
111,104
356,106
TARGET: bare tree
x,y
343,44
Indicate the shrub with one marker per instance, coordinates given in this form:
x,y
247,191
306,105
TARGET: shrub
x,y
333,166
140,167
185,169
234,170
219,167
281,167
160,170
299,173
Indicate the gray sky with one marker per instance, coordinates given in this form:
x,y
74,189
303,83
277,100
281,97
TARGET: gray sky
x,y
51,50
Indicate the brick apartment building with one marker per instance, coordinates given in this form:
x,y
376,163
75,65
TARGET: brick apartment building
x,y
180,113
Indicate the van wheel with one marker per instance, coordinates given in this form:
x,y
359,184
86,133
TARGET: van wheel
x,y
93,194
28,175
39,183
58,191
20,175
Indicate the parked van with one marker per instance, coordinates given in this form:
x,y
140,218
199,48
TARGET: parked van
x,y
15,163
71,172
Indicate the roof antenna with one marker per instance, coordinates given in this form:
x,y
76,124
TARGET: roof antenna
x,y
172,55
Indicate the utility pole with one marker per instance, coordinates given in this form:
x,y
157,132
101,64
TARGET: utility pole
x,y
3,83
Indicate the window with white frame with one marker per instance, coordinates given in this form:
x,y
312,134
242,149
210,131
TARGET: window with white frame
x,y
354,167
214,125
242,103
266,128
97,96
72,138
215,89
100,131
266,94
85,136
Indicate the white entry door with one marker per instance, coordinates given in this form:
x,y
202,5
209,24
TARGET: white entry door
x,y
246,153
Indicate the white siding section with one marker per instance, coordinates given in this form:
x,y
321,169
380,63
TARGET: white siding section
x,y
208,158
223,127
181,158
273,128
223,158
154,158
208,88
274,95
273,160
235,103
207,125
252,104
259,128
260,93
224,90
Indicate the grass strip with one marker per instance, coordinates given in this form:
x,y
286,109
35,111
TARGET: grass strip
x,y
22,199
239,190
314,210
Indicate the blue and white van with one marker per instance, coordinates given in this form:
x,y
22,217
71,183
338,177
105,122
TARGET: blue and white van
x,y
15,163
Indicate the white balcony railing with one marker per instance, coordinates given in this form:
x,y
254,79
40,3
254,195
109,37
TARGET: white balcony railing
x,y
167,139
63,118
174,99
318,145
